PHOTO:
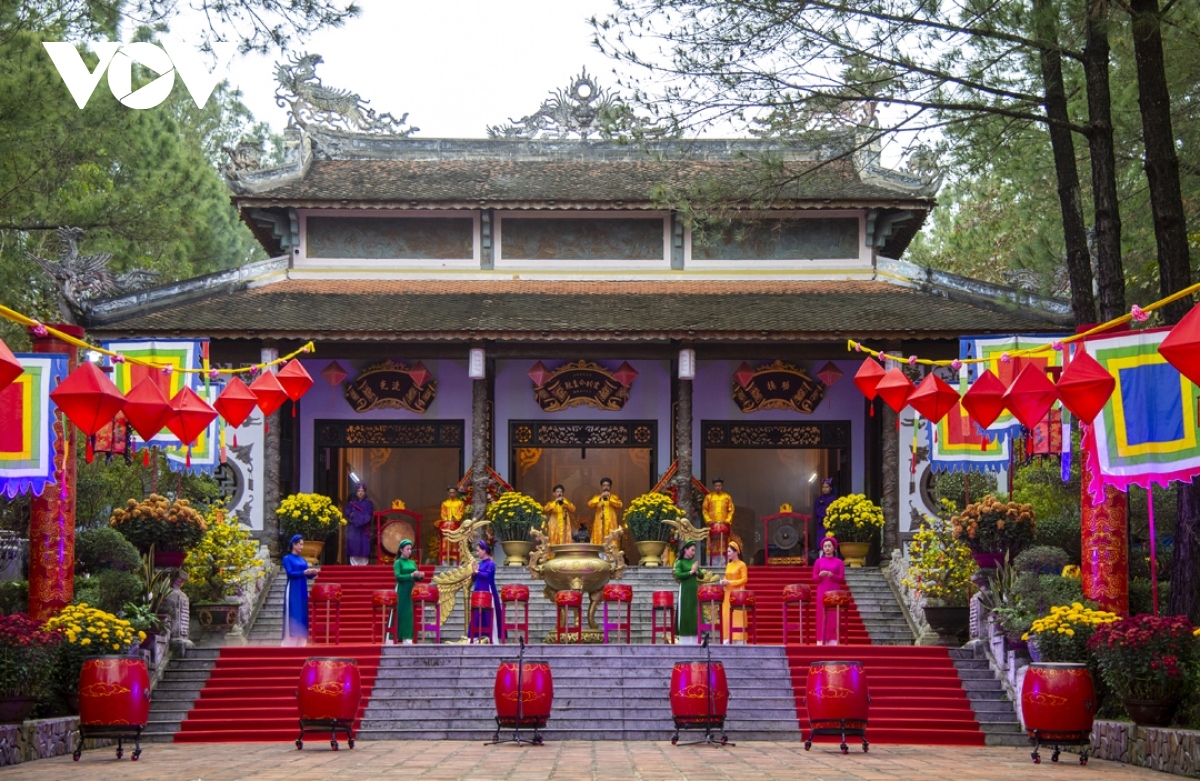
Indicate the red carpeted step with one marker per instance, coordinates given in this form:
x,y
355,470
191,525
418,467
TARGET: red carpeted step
x,y
251,693
916,694
768,581
357,617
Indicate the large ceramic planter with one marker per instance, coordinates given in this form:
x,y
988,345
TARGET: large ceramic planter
x,y
516,552
950,623
1151,713
15,709
651,552
216,620
311,551
855,553
988,560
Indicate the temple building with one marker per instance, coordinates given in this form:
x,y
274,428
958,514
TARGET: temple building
x,y
537,304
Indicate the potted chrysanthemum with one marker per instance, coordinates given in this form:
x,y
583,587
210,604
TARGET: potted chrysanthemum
x,y
855,521
514,515
644,518
314,517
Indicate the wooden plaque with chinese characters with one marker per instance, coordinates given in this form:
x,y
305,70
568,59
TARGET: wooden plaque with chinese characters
x,y
778,386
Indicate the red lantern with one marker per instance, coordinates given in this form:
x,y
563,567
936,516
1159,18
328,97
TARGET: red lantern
x,y
88,399
829,373
984,401
147,408
1030,396
933,398
294,379
1085,387
418,374
269,392
539,374
192,415
10,367
868,376
1179,348
236,402
894,388
625,374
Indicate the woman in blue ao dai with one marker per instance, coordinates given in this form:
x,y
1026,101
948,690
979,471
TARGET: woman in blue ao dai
x,y
295,597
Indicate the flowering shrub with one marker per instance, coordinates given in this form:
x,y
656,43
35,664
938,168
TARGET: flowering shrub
x,y
222,562
27,655
992,526
645,515
854,518
514,514
312,516
941,565
1063,634
1146,657
157,521
1072,571
87,631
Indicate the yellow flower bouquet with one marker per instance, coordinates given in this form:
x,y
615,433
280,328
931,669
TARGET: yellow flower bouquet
x,y
313,516
87,631
645,515
854,518
1062,634
514,514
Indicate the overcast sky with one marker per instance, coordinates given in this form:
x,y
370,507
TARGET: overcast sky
x,y
455,66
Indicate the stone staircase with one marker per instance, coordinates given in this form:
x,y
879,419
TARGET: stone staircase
x,y
177,691
881,613
267,628
995,712
612,692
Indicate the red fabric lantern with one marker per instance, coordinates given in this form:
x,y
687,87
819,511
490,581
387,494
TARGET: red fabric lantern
x,y
894,388
743,375
1030,396
868,376
294,379
269,392
236,402
539,374
984,401
933,398
829,373
147,408
1179,348
192,415
10,367
1085,387
625,374
88,398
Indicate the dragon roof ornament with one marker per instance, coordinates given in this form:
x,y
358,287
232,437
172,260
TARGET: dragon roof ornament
x,y
576,109
78,278
309,101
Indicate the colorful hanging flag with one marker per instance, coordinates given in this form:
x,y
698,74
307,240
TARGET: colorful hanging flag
x,y
27,416
176,353
1147,430
993,348
956,445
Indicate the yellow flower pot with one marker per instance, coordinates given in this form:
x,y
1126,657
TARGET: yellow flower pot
x,y
855,553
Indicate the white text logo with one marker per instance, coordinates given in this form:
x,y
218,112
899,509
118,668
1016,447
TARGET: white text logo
x,y
165,60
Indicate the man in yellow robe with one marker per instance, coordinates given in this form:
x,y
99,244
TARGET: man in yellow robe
x,y
718,508
559,512
607,507
453,511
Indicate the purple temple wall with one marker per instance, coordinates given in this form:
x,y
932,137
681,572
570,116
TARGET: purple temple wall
x,y
712,400
649,399
453,402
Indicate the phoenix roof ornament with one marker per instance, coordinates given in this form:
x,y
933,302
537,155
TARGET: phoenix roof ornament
x,y
577,110
311,102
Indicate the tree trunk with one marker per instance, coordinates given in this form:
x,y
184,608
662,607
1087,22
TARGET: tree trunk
x,y
1062,143
1109,270
1170,232
479,454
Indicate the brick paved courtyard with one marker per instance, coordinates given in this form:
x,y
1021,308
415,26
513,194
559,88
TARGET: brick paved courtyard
x,y
586,761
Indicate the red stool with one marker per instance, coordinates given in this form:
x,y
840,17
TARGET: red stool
x,y
742,601
718,541
662,616
616,592
383,602
512,597
797,594
565,602
425,594
712,596
331,595
836,600
481,607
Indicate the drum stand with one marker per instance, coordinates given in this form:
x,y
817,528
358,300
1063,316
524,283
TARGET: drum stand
x,y
123,732
538,723
710,721
1058,739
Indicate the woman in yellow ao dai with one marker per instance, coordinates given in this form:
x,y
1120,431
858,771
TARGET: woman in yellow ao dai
x,y
736,577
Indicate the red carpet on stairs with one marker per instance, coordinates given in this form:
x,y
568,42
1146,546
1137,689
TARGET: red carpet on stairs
x,y
357,584
767,582
251,694
916,695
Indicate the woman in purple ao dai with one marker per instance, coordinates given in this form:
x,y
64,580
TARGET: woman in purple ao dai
x,y
829,573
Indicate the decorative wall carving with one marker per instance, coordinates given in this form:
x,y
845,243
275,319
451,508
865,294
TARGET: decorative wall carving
x,y
571,111
727,434
391,385
777,385
397,433
579,433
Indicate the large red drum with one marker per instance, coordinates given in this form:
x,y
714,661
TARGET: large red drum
x,y
114,691
710,593
330,689
534,692
1058,700
837,693
691,686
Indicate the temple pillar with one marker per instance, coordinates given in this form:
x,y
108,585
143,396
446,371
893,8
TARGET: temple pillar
x,y
683,446
271,465
52,514
479,433
890,500
1105,545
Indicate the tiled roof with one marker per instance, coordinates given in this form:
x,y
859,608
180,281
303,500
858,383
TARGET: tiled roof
x,y
567,310
467,183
